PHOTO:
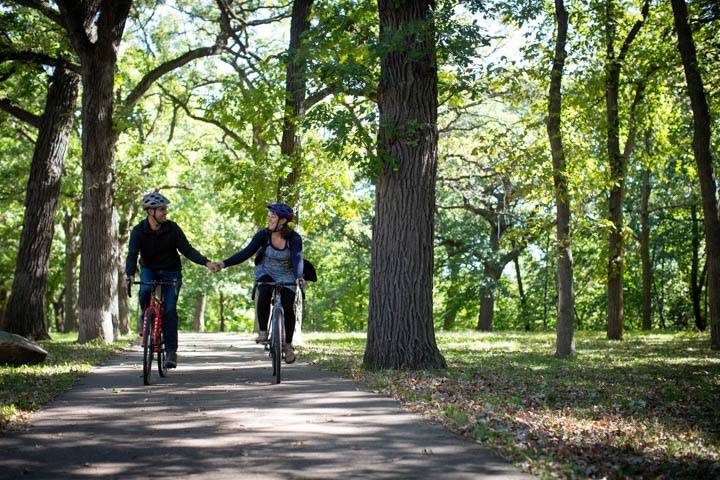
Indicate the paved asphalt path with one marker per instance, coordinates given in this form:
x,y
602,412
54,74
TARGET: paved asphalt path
x,y
219,416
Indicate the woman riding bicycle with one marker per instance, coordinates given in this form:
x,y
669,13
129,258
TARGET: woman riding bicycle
x,y
278,258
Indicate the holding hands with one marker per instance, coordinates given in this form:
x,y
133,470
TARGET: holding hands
x,y
215,266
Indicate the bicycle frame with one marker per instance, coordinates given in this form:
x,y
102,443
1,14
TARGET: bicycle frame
x,y
156,306
276,327
154,344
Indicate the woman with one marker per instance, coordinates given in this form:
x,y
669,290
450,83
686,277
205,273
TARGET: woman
x,y
278,258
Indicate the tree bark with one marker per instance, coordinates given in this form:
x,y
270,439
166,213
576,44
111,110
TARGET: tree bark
x,y
704,161
97,259
222,312
25,314
524,317
618,166
695,280
295,91
72,252
564,343
647,273
199,317
400,323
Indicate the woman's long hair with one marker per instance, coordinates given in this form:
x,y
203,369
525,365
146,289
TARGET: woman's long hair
x,y
286,231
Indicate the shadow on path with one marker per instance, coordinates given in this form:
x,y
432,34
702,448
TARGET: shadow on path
x,y
218,415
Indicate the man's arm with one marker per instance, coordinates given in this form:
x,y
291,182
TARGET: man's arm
x,y
133,251
186,249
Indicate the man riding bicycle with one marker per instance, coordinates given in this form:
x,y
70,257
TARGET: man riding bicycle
x,y
157,240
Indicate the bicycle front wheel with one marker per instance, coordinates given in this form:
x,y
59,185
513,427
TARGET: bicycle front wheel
x,y
277,341
147,346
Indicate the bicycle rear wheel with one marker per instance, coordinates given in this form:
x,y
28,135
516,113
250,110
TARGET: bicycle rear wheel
x,y
277,341
162,369
147,346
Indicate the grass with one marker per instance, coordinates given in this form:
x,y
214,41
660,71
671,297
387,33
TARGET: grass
x,y
27,388
646,407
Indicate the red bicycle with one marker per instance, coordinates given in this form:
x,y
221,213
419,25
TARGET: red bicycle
x,y
152,336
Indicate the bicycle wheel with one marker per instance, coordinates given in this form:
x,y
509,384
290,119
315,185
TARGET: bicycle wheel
x,y
147,346
162,369
277,341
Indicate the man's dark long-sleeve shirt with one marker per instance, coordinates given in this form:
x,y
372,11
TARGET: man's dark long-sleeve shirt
x,y
158,249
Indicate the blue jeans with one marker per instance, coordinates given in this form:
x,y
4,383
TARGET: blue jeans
x,y
170,296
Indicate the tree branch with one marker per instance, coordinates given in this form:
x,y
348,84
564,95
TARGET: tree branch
x,y
20,113
44,8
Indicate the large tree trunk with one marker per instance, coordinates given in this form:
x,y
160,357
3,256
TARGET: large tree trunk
x,y
647,273
704,161
95,30
98,271
199,316
295,90
25,313
400,324
564,343
487,311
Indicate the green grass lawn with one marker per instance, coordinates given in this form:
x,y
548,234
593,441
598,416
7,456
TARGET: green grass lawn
x,y
647,407
27,388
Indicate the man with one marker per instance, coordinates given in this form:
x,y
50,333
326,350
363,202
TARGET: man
x,y
158,241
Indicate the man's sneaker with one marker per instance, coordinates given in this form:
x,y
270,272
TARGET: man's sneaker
x,y
262,337
171,360
289,353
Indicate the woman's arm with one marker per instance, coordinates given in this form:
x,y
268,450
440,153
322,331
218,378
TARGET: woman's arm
x,y
255,244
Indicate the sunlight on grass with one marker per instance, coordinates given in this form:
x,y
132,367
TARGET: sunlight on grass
x,y
644,407
26,388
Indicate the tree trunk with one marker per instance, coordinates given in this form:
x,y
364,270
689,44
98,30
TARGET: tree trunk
x,y
487,311
199,317
25,314
647,274
564,343
295,90
222,312
400,324
491,273
70,226
695,280
618,166
524,317
97,261
704,161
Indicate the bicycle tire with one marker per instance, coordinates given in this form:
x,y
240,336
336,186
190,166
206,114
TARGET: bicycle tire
x,y
147,346
162,369
277,342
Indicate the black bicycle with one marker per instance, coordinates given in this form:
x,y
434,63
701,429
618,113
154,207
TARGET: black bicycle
x,y
275,343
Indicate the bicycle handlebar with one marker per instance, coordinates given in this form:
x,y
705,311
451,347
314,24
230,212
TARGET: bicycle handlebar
x,y
154,283
277,284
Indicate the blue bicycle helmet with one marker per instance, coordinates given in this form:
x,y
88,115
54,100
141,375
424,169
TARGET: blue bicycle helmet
x,y
282,210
